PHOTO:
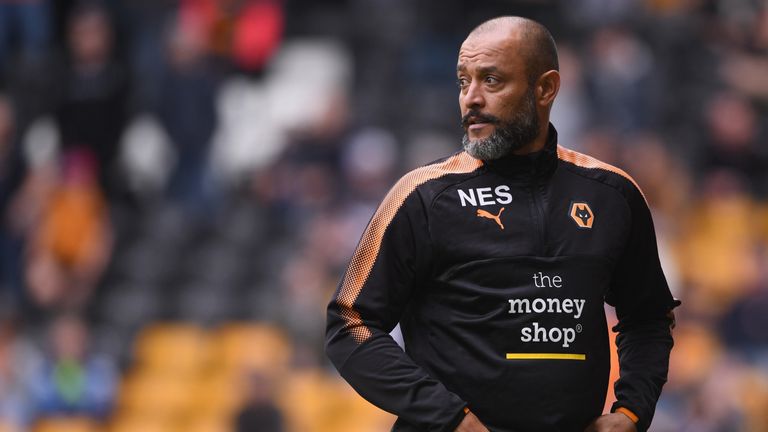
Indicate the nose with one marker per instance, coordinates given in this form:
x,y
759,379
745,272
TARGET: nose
x,y
473,98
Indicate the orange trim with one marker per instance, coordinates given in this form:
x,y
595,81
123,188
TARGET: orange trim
x,y
628,413
466,410
584,161
364,257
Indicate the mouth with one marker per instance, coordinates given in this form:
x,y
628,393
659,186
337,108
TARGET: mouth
x,y
473,126
477,122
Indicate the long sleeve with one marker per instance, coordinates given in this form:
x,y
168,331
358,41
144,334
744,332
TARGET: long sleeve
x,y
390,262
644,304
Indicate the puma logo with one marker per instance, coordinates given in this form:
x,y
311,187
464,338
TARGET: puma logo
x,y
484,214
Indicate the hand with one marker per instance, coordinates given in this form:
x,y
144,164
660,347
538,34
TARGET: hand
x,y
613,422
471,424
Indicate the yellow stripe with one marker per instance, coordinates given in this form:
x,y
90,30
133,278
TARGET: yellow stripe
x,y
545,356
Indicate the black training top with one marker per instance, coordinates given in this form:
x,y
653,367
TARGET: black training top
x,y
498,272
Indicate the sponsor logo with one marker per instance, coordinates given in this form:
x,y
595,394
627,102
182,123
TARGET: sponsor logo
x,y
563,335
497,218
582,214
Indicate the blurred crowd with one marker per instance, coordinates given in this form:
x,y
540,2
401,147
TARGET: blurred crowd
x,y
215,161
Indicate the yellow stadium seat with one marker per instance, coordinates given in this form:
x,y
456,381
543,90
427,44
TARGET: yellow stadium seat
x,y
345,411
66,424
308,401
256,347
359,415
142,423
172,348
158,394
209,424
221,394
196,423
314,402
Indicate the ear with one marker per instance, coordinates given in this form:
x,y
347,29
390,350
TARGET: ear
x,y
547,87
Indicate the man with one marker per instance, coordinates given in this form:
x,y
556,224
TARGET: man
x,y
497,260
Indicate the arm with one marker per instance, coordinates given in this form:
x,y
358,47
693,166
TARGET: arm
x,y
644,306
389,264
613,422
471,423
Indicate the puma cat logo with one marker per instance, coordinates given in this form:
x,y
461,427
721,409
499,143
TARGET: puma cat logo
x,y
484,214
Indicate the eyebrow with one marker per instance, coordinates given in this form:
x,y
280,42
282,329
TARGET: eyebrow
x,y
484,70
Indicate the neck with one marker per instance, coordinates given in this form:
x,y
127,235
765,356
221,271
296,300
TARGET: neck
x,y
538,143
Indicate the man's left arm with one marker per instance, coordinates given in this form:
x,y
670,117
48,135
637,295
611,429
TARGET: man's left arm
x,y
644,304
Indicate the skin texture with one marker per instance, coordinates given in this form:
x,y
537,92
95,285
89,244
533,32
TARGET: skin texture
x,y
614,422
493,80
471,424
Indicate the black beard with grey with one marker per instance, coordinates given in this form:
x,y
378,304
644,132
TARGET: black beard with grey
x,y
507,136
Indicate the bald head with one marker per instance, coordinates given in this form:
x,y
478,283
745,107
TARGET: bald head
x,y
535,42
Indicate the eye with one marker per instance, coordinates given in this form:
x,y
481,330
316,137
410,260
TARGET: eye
x,y
492,80
462,82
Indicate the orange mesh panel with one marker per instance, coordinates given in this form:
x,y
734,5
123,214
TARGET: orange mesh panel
x,y
365,255
585,161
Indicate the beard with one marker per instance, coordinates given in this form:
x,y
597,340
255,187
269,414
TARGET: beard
x,y
508,136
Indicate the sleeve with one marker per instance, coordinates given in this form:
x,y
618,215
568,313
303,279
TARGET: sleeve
x,y
644,304
389,263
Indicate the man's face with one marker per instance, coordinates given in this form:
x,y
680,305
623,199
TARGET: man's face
x,y
497,101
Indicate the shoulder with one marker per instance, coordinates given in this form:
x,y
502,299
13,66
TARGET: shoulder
x,y
431,178
597,170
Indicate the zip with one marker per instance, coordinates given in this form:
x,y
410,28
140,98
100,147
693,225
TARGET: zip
x,y
537,204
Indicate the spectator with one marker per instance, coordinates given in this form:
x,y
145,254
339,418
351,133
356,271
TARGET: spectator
x,y
71,245
11,177
15,359
28,23
621,80
93,102
260,414
731,141
188,113
246,33
72,380
147,22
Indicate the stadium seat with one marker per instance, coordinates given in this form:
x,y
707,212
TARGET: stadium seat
x,y
158,394
240,347
315,402
143,423
307,400
221,394
209,424
172,348
363,416
67,424
349,412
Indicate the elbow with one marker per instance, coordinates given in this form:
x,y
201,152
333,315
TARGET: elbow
x,y
335,344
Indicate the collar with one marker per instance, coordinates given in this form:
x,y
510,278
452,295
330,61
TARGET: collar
x,y
540,164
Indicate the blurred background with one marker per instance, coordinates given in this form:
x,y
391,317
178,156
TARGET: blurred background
x,y
183,182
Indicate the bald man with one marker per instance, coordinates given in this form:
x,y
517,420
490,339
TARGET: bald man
x,y
497,262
